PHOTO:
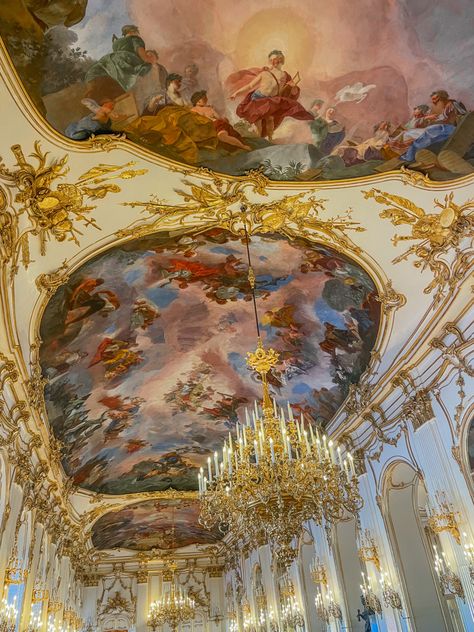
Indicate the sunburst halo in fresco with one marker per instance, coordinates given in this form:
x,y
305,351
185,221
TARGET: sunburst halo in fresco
x,y
144,349
302,90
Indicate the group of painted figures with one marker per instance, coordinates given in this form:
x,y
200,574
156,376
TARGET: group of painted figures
x,y
173,114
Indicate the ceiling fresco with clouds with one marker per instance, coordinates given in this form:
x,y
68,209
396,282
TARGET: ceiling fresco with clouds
x,y
144,350
303,90
152,524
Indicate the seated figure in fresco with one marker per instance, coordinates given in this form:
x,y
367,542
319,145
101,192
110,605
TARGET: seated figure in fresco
x,y
326,131
174,96
116,73
175,129
440,133
149,89
99,122
445,115
368,149
270,95
403,137
225,132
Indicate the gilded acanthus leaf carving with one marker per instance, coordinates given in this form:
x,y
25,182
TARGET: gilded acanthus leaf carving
x,y
226,204
444,237
47,210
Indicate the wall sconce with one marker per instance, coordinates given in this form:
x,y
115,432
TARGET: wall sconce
x,y
442,517
318,572
390,596
35,623
232,617
8,615
370,598
449,580
15,573
368,550
326,607
291,615
469,555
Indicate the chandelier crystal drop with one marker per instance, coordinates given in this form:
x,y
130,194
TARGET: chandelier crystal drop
x,y
8,615
174,608
277,473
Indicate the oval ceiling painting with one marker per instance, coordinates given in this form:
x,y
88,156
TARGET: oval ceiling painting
x,y
145,348
303,90
152,524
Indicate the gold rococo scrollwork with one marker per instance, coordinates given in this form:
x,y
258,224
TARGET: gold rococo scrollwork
x,y
444,237
47,212
226,204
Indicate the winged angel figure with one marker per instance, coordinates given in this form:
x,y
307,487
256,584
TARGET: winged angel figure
x,y
98,122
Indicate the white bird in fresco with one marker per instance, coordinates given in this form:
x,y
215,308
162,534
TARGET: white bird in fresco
x,y
355,92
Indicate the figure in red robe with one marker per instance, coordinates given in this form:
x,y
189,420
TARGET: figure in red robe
x,y
270,95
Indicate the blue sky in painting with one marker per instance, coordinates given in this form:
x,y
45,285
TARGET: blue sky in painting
x,y
103,18
327,314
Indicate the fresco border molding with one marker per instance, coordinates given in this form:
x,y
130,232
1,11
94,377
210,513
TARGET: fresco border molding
x,y
274,221
112,142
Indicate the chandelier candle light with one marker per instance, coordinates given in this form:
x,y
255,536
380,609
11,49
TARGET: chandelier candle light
x,y
175,606
8,615
291,615
450,582
326,607
370,598
469,555
277,472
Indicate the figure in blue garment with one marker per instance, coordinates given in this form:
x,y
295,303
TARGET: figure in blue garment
x,y
445,115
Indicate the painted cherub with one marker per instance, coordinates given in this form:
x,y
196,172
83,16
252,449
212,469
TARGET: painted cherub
x,y
98,122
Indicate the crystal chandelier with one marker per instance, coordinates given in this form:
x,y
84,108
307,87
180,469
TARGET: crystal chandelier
x,y
174,607
8,615
35,622
290,612
277,473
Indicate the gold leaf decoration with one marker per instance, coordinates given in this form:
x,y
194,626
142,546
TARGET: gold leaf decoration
x,y
444,237
45,211
225,204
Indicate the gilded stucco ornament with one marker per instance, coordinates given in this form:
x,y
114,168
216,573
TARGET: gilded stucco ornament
x,y
410,176
226,204
49,282
390,299
47,211
104,142
417,401
453,352
444,237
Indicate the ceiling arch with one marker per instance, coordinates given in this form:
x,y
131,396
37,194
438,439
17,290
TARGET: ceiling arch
x,y
144,349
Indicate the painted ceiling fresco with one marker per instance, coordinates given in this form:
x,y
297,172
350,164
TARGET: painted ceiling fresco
x,y
304,90
149,525
144,349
